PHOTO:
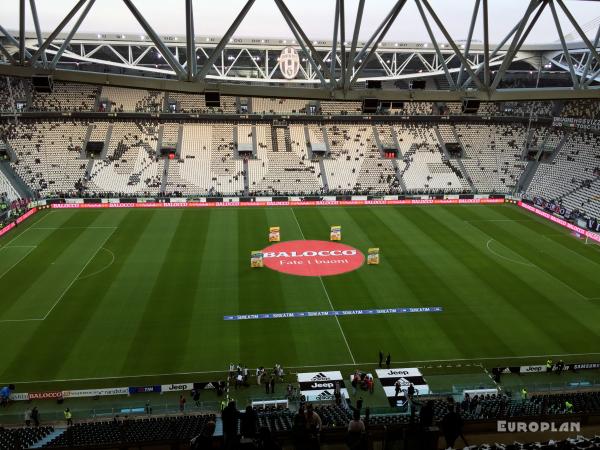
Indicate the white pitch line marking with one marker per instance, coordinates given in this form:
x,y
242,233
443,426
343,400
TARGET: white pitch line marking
x,y
327,294
20,259
79,274
289,368
27,229
528,264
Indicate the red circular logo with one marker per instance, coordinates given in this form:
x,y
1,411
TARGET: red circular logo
x,y
312,258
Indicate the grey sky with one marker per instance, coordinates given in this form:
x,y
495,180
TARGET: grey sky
x,y
212,17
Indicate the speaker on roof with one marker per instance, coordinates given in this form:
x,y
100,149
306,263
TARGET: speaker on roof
x,y
212,99
42,83
373,84
470,106
417,84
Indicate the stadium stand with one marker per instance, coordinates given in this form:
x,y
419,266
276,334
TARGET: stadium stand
x,y
206,165
278,106
424,168
7,192
48,154
572,177
66,97
131,165
133,100
329,108
21,438
493,156
195,103
132,431
586,109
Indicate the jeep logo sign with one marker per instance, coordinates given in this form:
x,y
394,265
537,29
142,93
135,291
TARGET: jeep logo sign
x,y
321,386
289,63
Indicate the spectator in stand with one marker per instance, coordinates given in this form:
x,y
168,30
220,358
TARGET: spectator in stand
x,y
230,417
426,414
356,433
313,425
5,394
266,440
452,427
249,423
299,429
35,416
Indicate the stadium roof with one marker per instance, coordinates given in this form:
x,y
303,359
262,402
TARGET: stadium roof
x,y
451,67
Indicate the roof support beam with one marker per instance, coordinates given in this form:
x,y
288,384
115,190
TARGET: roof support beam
x,y
316,61
463,60
67,41
38,31
590,58
583,36
56,32
22,31
512,50
160,45
359,15
344,60
8,56
469,39
333,54
224,41
190,40
441,58
383,29
486,45
563,43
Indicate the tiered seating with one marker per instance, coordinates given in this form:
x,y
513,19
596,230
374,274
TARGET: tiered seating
x,y
415,109
133,100
244,134
12,89
195,103
99,130
262,105
282,172
206,166
180,428
132,165
493,155
573,176
588,109
423,167
349,145
66,97
170,133
524,109
7,191
22,438
48,154
330,108
576,443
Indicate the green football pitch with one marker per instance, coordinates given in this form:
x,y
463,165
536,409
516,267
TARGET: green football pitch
x,y
103,296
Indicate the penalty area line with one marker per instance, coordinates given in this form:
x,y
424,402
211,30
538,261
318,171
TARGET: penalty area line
x,y
327,295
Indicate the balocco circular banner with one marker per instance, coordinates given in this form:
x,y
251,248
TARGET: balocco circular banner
x,y
312,258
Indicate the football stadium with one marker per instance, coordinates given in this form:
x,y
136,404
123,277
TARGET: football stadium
x,y
287,225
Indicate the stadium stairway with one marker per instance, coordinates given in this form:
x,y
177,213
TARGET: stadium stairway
x,y
399,176
106,142
165,176
458,161
378,141
246,178
323,175
49,438
22,189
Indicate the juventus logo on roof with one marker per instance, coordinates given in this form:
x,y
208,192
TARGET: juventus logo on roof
x,y
289,63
